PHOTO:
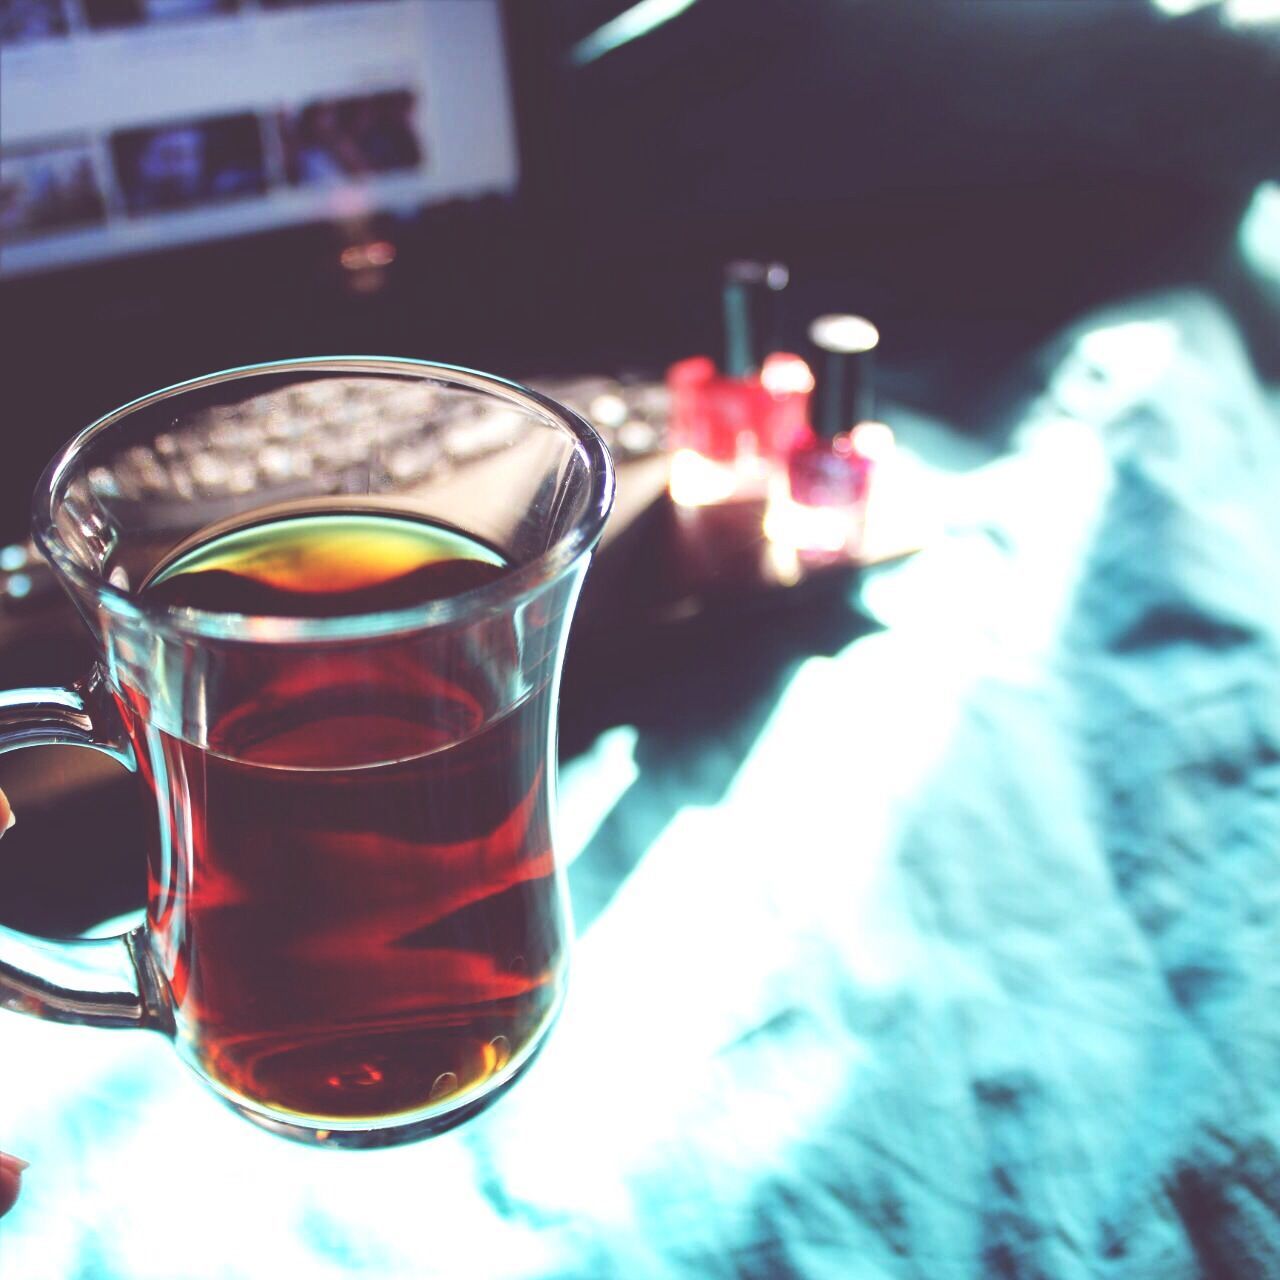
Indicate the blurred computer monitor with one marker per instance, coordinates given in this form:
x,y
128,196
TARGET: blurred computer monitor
x,y
131,126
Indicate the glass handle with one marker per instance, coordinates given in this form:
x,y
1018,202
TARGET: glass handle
x,y
106,982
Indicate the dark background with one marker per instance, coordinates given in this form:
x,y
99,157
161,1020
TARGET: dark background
x,y
971,173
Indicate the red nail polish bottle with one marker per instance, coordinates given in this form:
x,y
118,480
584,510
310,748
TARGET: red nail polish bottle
x,y
729,428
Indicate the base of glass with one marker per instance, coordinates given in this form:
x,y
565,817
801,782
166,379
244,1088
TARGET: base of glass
x,y
389,1133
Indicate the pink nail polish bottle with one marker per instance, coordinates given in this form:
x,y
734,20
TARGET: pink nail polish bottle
x,y
818,500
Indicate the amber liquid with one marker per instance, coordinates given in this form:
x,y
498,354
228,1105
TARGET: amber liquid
x,y
352,895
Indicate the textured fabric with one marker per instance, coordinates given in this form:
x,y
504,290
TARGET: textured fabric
x,y
964,962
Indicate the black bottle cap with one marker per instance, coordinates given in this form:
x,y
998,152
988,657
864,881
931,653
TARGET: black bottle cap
x,y
750,290
842,358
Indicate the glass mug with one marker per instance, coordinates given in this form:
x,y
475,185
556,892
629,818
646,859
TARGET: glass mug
x,y
356,928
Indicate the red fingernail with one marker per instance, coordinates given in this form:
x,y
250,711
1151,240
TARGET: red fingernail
x,y
13,1164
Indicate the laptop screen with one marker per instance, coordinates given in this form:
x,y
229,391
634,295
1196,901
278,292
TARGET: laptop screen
x,y
132,125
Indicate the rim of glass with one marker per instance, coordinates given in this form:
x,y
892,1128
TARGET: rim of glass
x,y
491,597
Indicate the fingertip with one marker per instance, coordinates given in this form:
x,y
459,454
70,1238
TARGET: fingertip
x,y
6,814
10,1184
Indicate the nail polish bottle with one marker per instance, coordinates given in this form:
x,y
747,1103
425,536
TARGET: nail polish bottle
x,y
727,426
818,500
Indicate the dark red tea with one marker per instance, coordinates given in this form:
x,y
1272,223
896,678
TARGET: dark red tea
x,y
352,893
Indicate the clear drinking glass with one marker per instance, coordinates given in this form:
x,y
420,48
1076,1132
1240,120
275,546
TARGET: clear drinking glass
x,y
357,929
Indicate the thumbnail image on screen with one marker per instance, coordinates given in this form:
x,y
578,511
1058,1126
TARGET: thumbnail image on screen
x,y
336,139
49,188
190,162
298,4
131,13
23,20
